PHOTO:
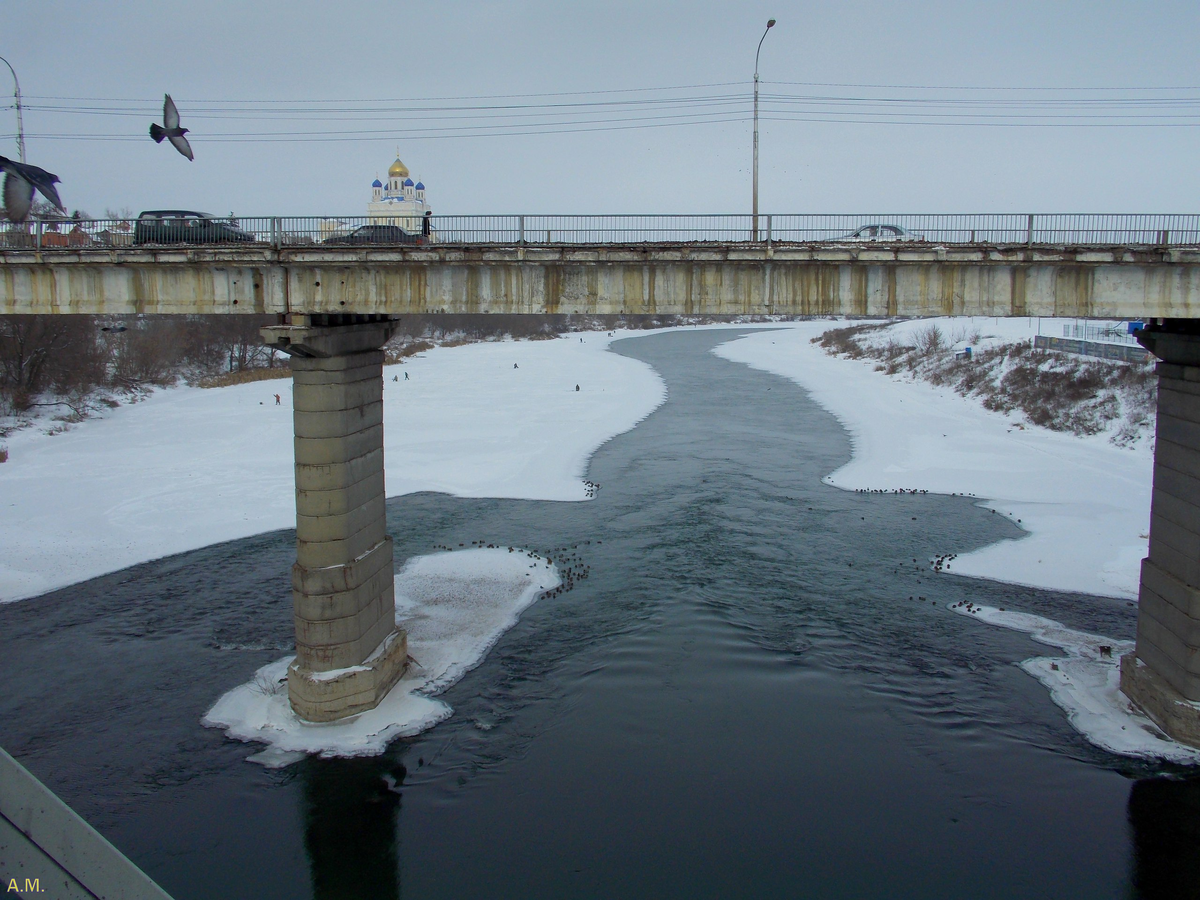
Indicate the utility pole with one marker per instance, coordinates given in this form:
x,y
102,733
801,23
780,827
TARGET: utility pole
x,y
21,125
754,227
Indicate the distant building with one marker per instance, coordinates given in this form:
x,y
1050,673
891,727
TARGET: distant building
x,y
400,202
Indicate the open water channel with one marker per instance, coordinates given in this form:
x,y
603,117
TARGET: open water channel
x,y
757,692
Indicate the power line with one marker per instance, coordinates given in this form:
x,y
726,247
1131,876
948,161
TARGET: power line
x,y
247,108
683,87
964,87
633,108
674,102
370,112
387,135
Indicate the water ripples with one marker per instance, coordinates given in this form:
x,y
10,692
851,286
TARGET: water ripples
x,y
733,626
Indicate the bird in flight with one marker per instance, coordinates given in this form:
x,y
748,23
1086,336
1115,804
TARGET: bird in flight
x,y
19,181
170,129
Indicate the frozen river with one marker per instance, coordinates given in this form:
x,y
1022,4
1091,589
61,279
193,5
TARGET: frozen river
x,y
757,691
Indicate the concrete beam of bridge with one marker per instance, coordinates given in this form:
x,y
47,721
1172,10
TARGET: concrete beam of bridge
x,y
640,279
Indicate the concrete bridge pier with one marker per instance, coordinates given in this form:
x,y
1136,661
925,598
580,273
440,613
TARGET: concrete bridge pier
x,y
349,652
1162,675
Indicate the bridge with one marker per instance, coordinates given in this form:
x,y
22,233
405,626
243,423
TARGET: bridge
x,y
335,299
1017,265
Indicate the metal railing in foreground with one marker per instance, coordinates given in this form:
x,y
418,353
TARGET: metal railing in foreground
x,y
1084,229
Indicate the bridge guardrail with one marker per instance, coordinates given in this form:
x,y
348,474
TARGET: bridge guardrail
x,y
1085,229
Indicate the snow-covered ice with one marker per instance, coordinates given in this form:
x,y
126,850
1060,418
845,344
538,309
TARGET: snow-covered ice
x,y
1086,685
189,467
1084,502
455,606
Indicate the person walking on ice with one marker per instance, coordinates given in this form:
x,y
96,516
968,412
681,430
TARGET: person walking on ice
x,y
276,399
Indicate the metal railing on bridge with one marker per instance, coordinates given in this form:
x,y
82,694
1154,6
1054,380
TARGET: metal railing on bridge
x,y
1083,229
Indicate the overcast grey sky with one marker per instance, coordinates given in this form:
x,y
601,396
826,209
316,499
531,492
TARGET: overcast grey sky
x,y
113,61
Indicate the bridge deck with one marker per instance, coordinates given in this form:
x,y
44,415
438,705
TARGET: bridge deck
x,y
904,278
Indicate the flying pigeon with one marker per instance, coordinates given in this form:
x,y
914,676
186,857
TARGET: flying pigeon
x,y
170,129
19,181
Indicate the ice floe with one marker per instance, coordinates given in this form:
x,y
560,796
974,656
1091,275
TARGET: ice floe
x,y
1086,685
455,606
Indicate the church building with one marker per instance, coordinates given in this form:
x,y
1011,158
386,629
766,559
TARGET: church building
x,y
400,202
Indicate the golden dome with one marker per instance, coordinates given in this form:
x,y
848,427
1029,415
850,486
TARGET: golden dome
x,y
398,169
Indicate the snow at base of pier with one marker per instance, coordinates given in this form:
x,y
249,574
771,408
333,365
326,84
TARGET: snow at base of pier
x,y
1086,685
455,606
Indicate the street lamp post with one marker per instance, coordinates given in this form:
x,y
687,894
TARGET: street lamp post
x,y
754,227
20,124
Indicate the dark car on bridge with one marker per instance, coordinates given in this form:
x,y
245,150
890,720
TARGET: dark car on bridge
x,y
182,226
376,234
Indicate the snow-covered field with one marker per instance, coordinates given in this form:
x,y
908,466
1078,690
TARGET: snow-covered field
x,y
188,467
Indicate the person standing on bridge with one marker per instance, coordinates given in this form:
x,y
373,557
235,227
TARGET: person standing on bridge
x,y
427,225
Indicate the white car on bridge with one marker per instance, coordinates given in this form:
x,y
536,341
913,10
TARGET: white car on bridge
x,y
879,232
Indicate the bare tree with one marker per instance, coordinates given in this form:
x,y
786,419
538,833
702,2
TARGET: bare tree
x,y
40,353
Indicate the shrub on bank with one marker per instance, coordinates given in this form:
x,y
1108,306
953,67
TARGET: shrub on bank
x,y
245,376
1059,391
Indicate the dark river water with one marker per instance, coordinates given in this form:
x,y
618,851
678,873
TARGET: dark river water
x,y
758,692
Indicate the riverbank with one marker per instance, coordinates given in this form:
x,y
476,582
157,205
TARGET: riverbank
x,y
1083,501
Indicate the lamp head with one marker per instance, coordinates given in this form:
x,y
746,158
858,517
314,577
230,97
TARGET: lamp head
x,y
770,23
